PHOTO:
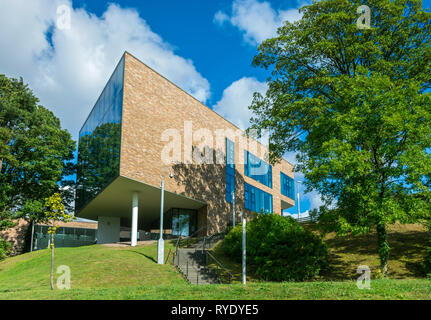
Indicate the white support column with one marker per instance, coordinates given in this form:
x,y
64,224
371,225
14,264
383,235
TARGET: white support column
x,y
134,234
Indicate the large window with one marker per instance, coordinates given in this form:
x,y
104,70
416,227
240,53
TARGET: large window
x,y
184,222
64,237
230,169
99,141
287,186
257,200
257,169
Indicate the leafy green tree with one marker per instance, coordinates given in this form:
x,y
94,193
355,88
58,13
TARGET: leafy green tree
x,y
54,212
36,154
355,105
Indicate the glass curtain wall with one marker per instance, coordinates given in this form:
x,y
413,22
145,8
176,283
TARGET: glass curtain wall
x,y
257,169
257,200
65,237
99,141
230,170
287,186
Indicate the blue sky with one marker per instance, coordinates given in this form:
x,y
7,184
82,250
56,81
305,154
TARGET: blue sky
x,y
205,47
218,53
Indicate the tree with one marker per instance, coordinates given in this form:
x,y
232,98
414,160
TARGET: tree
x,y
54,212
353,104
36,154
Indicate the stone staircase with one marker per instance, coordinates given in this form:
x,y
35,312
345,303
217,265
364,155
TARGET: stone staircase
x,y
192,261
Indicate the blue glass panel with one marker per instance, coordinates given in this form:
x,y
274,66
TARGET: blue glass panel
x,y
257,200
257,169
230,169
287,185
99,141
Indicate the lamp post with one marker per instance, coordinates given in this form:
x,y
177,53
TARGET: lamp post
x,y
244,278
233,209
161,242
299,208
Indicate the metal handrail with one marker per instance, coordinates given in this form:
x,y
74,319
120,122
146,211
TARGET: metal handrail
x,y
205,254
206,239
188,237
219,266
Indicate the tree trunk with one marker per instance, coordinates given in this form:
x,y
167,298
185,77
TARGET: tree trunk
x,y
384,249
52,261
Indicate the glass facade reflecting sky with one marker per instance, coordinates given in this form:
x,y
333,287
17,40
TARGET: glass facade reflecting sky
x,y
257,200
257,169
100,141
230,170
287,186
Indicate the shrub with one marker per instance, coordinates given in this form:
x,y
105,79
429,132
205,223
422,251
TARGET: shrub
x,y
278,249
5,248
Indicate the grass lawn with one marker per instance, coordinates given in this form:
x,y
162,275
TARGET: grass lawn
x,y
104,272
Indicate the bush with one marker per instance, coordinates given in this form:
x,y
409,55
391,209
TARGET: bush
x,y
5,248
278,249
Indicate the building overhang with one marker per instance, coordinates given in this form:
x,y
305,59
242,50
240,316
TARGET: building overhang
x,y
116,201
287,203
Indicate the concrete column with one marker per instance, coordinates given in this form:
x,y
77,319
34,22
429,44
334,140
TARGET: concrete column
x,y
134,235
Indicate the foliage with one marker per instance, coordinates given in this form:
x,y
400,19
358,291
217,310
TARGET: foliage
x,y
278,248
54,213
36,154
5,248
353,104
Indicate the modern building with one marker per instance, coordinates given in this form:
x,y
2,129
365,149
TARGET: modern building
x,y
26,236
142,128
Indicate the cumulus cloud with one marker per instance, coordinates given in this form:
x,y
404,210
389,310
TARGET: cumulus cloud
x,y
237,98
256,20
68,67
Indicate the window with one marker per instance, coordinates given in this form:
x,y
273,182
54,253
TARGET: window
x,y
257,169
287,186
230,169
100,141
257,200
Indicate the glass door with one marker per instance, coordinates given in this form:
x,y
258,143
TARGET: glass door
x,y
181,224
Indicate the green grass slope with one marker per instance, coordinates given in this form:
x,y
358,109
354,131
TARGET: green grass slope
x,y
91,267
106,272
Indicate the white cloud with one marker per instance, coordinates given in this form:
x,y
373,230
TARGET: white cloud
x,y
256,20
220,17
69,72
315,199
237,98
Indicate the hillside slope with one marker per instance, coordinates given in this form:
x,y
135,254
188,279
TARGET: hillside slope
x,y
96,266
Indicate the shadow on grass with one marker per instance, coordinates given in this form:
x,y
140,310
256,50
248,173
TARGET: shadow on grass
x,y
348,253
143,254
